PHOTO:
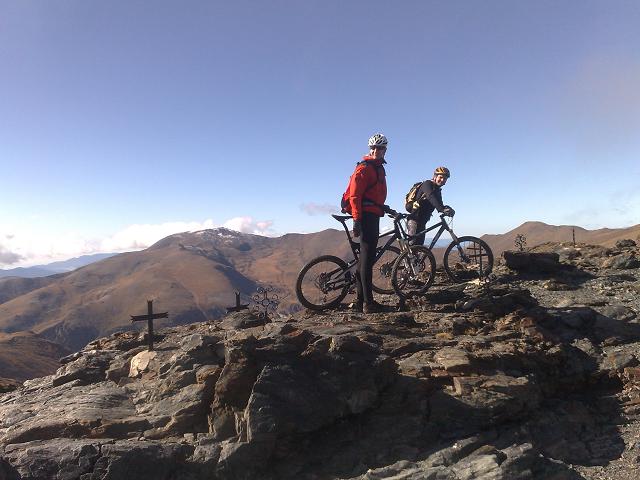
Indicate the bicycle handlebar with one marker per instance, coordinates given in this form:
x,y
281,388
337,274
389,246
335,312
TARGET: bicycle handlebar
x,y
397,216
401,216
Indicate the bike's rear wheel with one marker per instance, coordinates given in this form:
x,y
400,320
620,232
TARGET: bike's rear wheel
x,y
382,270
413,272
468,259
323,282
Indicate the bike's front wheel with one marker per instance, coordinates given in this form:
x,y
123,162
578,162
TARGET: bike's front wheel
x,y
413,272
468,259
382,271
323,282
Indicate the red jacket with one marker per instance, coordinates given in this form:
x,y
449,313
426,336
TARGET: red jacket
x,y
368,187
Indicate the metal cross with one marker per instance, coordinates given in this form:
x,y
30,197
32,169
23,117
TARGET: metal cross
x,y
262,302
149,317
238,306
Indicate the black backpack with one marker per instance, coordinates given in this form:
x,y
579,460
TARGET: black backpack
x,y
412,196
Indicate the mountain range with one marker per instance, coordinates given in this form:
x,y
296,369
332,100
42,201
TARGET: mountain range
x,y
54,267
536,233
193,276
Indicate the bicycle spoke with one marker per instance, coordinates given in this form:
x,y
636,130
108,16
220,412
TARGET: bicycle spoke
x,y
323,282
382,270
469,260
414,272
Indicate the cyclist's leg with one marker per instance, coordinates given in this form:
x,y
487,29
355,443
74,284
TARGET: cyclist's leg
x,y
415,225
368,244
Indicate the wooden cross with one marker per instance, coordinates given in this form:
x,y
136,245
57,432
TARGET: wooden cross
x,y
237,306
149,317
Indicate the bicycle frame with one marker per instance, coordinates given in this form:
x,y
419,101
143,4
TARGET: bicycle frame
x,y
397,233
443,226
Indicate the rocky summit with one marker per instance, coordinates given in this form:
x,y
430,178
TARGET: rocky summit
x,y
534,374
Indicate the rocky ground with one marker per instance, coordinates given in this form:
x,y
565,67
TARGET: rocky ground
x,y
532,375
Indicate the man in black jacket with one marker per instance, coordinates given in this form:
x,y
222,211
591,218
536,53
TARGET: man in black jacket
x,y
429,198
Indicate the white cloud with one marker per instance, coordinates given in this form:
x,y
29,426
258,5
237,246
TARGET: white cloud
x,y
136,237
249,225
21,247
318,209
8,257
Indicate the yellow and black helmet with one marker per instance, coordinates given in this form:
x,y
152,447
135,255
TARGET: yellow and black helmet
x,y
442,171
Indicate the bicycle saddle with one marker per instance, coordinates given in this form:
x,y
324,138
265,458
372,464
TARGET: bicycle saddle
x,y
341,218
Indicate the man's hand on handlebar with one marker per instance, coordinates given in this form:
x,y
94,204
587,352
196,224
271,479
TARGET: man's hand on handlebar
x,y
448,211
389,211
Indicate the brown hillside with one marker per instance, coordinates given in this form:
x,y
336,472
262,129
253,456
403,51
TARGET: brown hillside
x,y
24,355
190,275
12,287
537,233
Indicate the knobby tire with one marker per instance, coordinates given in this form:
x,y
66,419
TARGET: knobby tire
x,y
408,281
479,262
382,270
323,283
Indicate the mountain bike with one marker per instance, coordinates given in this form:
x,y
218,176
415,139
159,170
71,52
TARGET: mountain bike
x,y
325,281
466,258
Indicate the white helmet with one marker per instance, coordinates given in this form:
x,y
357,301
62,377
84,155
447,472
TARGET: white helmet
x,y
378,140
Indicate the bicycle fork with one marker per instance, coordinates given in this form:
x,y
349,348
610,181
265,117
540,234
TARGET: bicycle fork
x,y
406,248
404,245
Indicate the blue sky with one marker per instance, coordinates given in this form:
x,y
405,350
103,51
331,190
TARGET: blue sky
x,y
123,121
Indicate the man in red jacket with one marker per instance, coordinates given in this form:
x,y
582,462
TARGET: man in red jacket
x,y
367,194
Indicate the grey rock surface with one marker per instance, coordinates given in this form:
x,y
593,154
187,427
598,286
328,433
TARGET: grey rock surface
x,y
535,374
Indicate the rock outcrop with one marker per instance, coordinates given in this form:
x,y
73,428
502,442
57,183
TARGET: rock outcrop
x,y
528,376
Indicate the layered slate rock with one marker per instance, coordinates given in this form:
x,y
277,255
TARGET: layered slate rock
x,y
532,261
503,380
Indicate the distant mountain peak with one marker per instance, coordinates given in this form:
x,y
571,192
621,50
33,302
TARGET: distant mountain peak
x,y
54,268
212,237
220,232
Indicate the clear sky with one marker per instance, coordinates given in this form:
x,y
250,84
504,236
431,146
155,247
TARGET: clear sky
x,y
123,121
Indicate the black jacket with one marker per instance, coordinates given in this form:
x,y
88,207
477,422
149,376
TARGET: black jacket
x,y
430,198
